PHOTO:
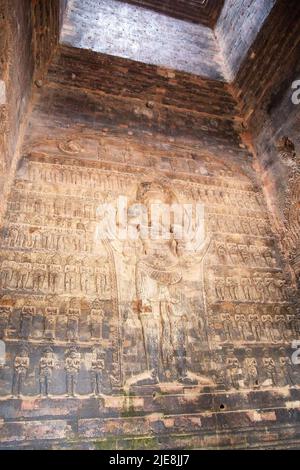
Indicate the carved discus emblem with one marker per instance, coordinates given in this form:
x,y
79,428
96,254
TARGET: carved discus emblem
x,y
70,147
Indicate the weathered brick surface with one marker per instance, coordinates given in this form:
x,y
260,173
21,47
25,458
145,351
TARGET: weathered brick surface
x,y
100,73
263,428
16,71
264,88
28,37
33,430
237,28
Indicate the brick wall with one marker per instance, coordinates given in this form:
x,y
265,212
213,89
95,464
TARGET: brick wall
x,y
237,27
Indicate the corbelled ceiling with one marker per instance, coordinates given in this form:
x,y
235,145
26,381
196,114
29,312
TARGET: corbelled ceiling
x,y
208,38
205,12
141,34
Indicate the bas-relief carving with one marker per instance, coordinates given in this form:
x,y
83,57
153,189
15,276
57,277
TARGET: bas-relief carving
x,y
20,369
290,200
53,371
157,156
158,312
162,304
252,323
46,366
72,367
257,287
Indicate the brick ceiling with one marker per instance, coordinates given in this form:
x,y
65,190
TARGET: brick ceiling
x,y
122,29
205,12
208,38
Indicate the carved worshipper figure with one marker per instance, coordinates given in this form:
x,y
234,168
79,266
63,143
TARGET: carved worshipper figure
x,y
72,367
26,319
270,368
95,320
251,369
46,366
227,322
73,324
286,368
97,368
50,319
233,370
21,366
5,316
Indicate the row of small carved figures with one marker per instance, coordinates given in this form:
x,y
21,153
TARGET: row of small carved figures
x,y
49,240
227,370
42,174
245,255
254,327
52,278
91,178
216,193
238,225
230,253
217,223
253,372
29,205
225,197
262,287
49,319
48,363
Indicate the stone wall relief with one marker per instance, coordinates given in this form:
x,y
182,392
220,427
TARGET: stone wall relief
x,y
261,287
291,203
55,372
250,255
44,274
160,304
169,302
257,369
249,323
20,371
53,320
61,299
46,365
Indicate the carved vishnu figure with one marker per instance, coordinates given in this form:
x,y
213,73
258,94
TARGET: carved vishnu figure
x,y
162,306
164,263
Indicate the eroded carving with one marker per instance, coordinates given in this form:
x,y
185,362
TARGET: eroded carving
x,y
46,366
21,366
